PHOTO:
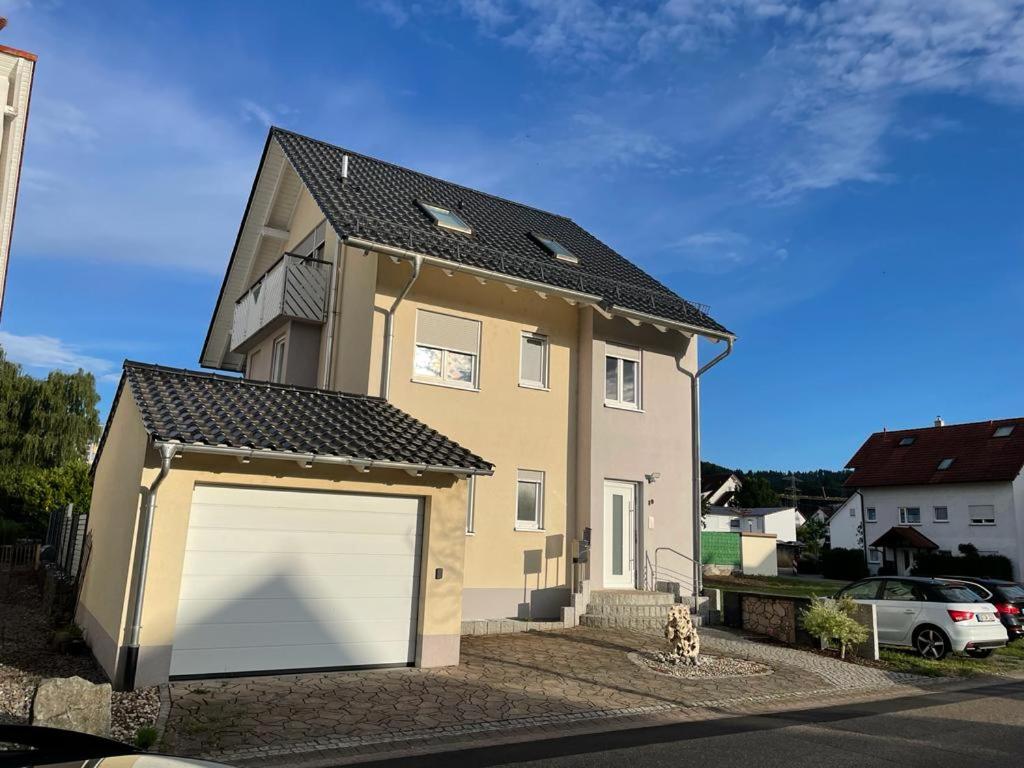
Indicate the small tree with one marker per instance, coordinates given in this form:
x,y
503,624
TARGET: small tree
x,y
812,535
832,622
756,492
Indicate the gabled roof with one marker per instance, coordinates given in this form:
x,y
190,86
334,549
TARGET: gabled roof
x,y
381,202
213,411
904,537
978,456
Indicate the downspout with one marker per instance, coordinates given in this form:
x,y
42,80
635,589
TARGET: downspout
x,y
332,313
864,531
389,327
147,505
698,571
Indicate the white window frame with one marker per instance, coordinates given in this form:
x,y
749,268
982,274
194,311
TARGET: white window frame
x,y
276,361
443,380
874,555
537,524
935,513
975,517
545,363
251,362
618,402
735,523
905,515
870,515
437,211
471,505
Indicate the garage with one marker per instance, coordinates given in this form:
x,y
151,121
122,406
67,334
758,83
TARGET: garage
x,y
276,580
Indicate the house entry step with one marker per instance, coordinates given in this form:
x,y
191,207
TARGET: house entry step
x,y
629,609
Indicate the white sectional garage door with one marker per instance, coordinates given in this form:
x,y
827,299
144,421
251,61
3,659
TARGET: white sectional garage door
x,y
279,580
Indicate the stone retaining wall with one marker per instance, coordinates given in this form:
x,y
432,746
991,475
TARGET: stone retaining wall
x,y
774,617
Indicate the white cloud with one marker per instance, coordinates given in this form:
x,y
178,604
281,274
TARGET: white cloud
x,y
842,68
42,354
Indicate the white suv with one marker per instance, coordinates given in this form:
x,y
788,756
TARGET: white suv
x,y
932,616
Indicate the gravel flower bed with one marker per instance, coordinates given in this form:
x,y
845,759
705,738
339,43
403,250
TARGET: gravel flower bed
x,y
708,666
26,658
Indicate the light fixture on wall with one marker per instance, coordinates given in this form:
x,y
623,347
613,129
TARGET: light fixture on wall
x,y
651,478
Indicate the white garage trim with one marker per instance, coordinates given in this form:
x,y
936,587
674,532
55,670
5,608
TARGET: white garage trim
x,y
278,580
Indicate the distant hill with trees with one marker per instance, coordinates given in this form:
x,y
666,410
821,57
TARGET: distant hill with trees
x,y
769,487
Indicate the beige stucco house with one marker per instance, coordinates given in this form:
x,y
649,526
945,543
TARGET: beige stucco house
x,y
514,333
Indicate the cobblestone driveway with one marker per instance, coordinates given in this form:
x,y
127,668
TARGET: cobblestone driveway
x,y
529,678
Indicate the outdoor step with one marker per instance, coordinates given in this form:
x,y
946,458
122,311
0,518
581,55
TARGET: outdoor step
x,y
643,623
630,597
628,609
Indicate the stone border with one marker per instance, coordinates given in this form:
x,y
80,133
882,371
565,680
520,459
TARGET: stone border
x,y
160,724
486,726
639,658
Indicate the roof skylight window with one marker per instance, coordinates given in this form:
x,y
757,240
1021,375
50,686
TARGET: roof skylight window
x,y
946,463
906,441
557,250
446,218
1004,431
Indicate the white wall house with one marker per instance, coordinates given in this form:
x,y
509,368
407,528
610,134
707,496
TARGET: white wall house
x,y
782,521
721,490
950,484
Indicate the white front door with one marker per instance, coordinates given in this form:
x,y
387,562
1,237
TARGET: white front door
x,y
619,535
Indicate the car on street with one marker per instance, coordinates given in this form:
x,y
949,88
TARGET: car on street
x,y
932,616
1006,596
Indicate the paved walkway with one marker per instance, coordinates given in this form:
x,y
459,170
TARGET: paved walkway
x,y
529,680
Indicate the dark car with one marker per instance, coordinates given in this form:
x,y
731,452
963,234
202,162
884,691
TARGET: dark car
x,y
1006,596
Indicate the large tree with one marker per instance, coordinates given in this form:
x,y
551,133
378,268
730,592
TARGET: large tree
x,y
756,492
46,426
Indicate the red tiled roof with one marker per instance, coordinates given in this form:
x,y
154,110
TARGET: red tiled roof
x,y
902,536
977,455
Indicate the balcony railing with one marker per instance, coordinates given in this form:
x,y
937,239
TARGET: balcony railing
x,y
295,287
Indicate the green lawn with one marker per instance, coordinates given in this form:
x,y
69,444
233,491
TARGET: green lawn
x,y
777,585
1008,660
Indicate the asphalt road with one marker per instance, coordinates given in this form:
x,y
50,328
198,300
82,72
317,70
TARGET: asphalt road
x,y
980,727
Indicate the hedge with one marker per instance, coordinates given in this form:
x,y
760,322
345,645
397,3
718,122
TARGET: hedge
x,y
848,564
989,566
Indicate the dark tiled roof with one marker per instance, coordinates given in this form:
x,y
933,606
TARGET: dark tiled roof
x,y
192,407
902,536
379,203
978,456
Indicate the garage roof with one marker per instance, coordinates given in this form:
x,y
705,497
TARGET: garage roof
x,y
210,410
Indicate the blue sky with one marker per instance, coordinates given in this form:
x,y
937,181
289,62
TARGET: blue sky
x,y
841,181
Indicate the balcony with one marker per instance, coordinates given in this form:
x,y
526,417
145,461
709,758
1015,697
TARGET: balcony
x,y
294,288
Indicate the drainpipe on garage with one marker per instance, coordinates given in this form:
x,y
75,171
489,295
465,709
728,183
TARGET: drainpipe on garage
x,y
389,326
698,572
147,505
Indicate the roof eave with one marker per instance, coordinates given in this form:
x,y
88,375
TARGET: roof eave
x,y
580,297
309,459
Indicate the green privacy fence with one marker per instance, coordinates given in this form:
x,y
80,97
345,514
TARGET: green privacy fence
x,y
720,548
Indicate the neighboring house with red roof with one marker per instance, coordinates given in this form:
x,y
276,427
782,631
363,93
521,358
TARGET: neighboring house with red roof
x,y
934,489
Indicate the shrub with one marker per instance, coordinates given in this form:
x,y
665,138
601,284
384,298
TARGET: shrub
x,y
808,564
990,566
831,621
145,737
848,564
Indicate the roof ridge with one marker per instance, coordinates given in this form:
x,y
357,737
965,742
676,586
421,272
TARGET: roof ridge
x,y
1014,419
249,382
278,129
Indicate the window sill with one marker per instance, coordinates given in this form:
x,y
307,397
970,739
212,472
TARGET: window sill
x,y
983,525
538,387
620,407
941,522
914,525
445,384
471,533
528,530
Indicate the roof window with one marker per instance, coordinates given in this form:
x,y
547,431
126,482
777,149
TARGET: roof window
x,y
907,441
1004,431
556,249
946,463
446,218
